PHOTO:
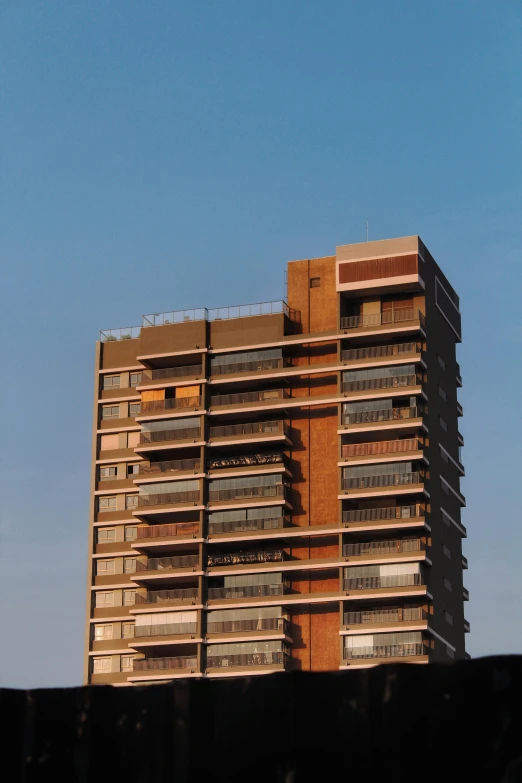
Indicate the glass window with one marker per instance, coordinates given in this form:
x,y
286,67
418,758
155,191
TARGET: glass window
x,y
108,472
449,618
134,408
131,501
446,551
448,585
131,533
129,565
315,282
443,424
443,394
104,567
127,630
129,597
135,378
107,503
103,632
127,663
105,598
133,469
441,362
110,411
111,382
106,535
101,665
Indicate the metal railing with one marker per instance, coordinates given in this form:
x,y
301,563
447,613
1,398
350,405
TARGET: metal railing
x,y
247,591
377,514
221,313
381,447
398,615
125,333
377,582
391,480
158,436
247,525
171,403
250,428
390,547
246,659
379,351
170,465
256,624
162,596
172,372
258,365
169,498
168,629
387,651
246,460
387,414
400,315
157,664
388,382
239,493
168,531
240,558
167,563
258,396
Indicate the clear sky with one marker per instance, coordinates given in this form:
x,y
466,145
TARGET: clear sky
x,y
160,155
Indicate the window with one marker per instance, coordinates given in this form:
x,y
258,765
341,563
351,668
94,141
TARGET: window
x,y
443,394
131,533
443,424
108,472
315,282
129,597
101,665
449,618
131,501
448,585
127,630
133,439
133,469
129,565
110,411
445,487
102,632
441,362
108,442
111,381
134,408
106,535
127,662
450,652
104,599
446,551
104,567
135,378
444,456
107,503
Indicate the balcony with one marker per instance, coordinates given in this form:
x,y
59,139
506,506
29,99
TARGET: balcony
x,y
257,624
377,515
378,352
170,374
170,597
161,534
360,452
248,525
172,405
413,650
166,664
467,626
242,494
388,617
246,558
377,384
165,566
382,582
390,320
167,629
249,462
464,562
256,399
251,431
271,659
247,591
465,594
157,469
376,549
258,366
405,482
192,498
164,438
386,416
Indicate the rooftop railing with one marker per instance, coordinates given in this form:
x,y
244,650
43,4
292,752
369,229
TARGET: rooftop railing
x,y
379,351
158,436
258,396
169,498
247,591
240,493
173,403
221,313
168,531
378,582
377,616
393,382
167,629
377,514
162,596
390,547
391,480
387,651
387,414
247,659
249,428
246,558
164,373
381,447
125,333
256,624
168,563
169,465
389,317
158,664
259,365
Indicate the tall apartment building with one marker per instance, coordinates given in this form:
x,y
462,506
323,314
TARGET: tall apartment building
x,y
276,486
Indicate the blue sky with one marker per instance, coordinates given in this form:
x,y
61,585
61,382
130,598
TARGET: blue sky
x,y
160,155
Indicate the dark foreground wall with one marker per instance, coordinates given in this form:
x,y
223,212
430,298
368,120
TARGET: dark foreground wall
x,y
457,722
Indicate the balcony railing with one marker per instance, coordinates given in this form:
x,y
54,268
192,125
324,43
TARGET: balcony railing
x,y
389,382
170,465
247,591
172,403
244,493
256,624
247,525
247,461
167,563
377,616
166,373
377,582
240,558
381,447
168,629
169,498
387,651
378,514
250,428
168,531
258,365
374,482
391,547
387,414
398,316
221,313
158,664
162,596
239,399
379,351
159,436
246,659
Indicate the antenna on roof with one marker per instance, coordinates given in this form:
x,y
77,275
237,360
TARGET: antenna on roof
x,y
367,225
